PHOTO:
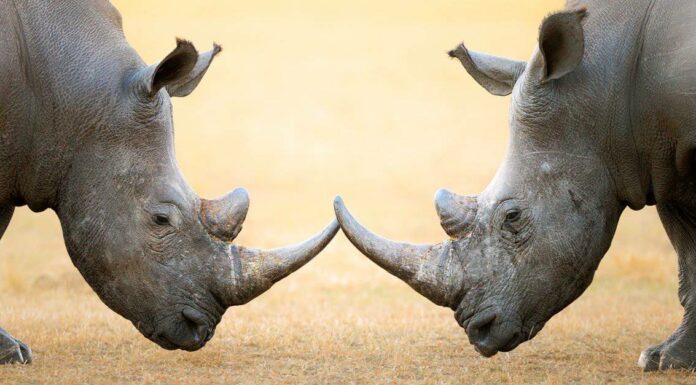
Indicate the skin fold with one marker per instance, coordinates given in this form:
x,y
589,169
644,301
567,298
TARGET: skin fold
x,y
601,118
86,131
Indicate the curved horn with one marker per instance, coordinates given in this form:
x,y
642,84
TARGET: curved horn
x,y
223,217
456,212
429,269
254,271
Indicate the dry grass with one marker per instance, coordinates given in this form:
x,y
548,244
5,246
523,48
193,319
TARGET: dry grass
x,y
313,98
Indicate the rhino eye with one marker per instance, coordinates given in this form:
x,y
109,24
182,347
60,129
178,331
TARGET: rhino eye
x,y
512,216
160,219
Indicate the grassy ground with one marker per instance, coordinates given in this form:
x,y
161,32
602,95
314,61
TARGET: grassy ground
x,y
309,99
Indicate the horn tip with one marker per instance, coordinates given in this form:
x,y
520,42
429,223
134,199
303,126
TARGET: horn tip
x,y
340,209
441,194
240,191
443,199
240,194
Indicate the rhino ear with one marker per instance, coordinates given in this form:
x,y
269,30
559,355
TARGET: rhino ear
x,y
497,75
191,80
179,72
561,44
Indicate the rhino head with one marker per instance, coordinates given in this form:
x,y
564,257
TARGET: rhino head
x,y
153,250
529,244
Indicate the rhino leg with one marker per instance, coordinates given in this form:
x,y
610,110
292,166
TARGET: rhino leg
x,y
679,350
650,358
12,350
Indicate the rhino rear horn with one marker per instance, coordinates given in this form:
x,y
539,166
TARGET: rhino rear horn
x,y
223,217
456,212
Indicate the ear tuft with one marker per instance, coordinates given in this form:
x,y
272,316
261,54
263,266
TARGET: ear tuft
x,y
217,48
561,43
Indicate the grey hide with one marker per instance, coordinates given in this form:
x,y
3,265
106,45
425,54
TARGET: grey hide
x,y
86,130
602,117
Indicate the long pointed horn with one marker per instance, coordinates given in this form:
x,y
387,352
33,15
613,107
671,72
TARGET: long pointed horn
x,y
432,270
254,271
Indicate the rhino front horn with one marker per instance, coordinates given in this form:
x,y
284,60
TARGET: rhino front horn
x,y
431,270
254,271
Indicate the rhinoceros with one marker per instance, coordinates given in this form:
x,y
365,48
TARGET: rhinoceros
x,y
86,130
602,117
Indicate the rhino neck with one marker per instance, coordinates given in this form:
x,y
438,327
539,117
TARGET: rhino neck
x,y
58,89
613,55
663,101
651,72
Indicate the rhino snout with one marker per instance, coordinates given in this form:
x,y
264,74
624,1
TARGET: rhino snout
x,y
189,330
491,332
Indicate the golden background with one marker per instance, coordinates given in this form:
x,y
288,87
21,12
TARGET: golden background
x,y
311,99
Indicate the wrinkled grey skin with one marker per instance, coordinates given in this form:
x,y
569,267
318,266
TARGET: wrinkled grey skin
x,y
603,116
86,130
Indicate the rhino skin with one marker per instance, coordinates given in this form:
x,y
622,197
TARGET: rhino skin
x,y
602,117
86,130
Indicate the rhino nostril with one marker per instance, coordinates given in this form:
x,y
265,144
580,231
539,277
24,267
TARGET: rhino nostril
x,y
202,332
512,343
197,322
479,328
208,334
193,316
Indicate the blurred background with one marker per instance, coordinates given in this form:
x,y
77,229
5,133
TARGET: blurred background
x,y
311,99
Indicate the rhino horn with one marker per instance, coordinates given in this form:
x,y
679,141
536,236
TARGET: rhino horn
x,y
223,217
456,212
254,271
428,269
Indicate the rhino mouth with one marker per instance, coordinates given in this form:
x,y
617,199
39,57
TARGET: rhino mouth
x,y
190,330
491,331
490,344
